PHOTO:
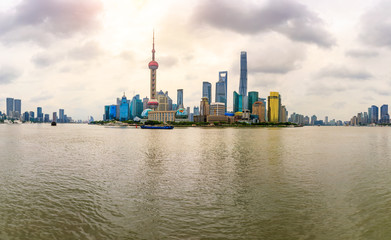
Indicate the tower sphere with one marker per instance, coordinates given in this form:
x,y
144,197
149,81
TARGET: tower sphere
x,y
153,65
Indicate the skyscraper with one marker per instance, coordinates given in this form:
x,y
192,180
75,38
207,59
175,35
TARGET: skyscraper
x,y
10,107
180,98
384,117
221,88
369,115
375,114
61,118
54,116
284,114
39,114
17,108
207,91
274,107
124,113
153,65
252,98
243,74
196,111
238,104
258,109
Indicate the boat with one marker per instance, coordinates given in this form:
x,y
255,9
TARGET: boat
x,y
54,124
156,127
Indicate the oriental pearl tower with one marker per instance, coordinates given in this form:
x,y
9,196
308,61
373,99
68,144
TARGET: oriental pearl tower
x,y
153,65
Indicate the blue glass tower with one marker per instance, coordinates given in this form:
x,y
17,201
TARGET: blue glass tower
x,y
243,74
221,89
207,90
39,114
384,117
375,114
124,109
180,98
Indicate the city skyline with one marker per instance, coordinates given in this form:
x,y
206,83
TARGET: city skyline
x,y
85,62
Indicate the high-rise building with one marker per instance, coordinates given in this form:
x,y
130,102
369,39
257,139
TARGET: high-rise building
x,y
264,103
313,119
369,115
61,117
207,91
162,98
26,116
375,114
169,102
221,88
384,117
17,108
39,114
124,109
217,109
153,66
174,107
136,107
180,98
252,98
204,107
284,114
274,107
46,119
145,103
32,116
237,102
10,107
243,74
54,116
326,120
258,109
196,111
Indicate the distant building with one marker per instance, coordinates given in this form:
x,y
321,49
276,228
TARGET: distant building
x,y
284,114
145,103
274,106
124,112
204,107
217,109
258,109
237,102
136,107
61,117
221,88
32,116
17,108
10,107
46,118
174,107
39,114
243,74
162,98
313,120
162,116
207,91
384,117
196,111
26,116
375,114
54,116
180,98
252,98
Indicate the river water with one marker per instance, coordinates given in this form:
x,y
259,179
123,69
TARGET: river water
x,y
95,182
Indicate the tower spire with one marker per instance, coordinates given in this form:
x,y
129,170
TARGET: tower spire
x,y
153,45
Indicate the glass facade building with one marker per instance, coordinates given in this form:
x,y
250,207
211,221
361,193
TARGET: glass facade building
x,y
274,107
10,107
384,117
124,109
180,98
237,100
252,98
243,74
375,114
207,91
221,89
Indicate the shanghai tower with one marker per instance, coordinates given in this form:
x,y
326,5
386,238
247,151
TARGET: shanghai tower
x,y
243,74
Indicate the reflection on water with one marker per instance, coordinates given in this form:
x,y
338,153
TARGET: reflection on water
x,y
93,182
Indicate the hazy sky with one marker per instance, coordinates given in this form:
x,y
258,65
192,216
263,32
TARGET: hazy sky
x,y
324,57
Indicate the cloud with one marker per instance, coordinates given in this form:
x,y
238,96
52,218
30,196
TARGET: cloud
x,y
168,61
44,60
376,26
326,90
41,97
357,53
88,51
276,60
8,75
333,71
41,21
286,17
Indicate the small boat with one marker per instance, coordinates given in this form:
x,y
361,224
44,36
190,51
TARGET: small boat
x,y
156,127
54,124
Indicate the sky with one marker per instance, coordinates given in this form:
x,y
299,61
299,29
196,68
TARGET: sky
x,y
328,58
